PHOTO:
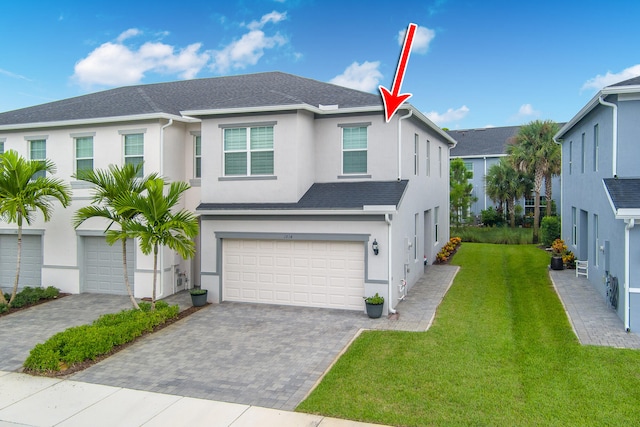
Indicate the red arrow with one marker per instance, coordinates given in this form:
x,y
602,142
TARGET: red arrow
x,y
393,100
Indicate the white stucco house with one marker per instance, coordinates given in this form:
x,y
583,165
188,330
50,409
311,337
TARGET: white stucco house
x,y
294,181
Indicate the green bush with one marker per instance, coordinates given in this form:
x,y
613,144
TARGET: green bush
x,y
3,308
86,342
491,217
51,292
28,295
549,229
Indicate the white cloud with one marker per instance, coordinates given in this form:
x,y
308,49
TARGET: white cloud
x,y
527,110
273,17
598,82
421,39
365,76
114,63
13,75
449,116
245,51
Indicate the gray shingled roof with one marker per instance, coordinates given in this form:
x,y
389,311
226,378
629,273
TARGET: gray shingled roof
x,y
624,192
243,91
483,141
630,82
331,195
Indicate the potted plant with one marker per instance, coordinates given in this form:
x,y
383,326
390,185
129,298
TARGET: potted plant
x,y
558,249
198,297
374,306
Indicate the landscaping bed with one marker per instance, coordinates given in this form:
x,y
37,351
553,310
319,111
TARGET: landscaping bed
x,y
80,347
29,297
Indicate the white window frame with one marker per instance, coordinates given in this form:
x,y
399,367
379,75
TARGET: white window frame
x,y
42,139
574,226
428,158
584,153
440,160
469,167
197,157
346,150
436,224
570,157
125,134
596,146
416,156
415,237
75,151
596,239
248,150
2,141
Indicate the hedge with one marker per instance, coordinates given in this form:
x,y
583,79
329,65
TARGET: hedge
x,y
87,342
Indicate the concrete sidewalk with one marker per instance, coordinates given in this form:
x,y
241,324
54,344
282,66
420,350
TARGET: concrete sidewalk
x,y
37,401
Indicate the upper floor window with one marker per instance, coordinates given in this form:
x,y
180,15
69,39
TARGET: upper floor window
x,y
469,167
584,154
2,145
596,146
248,151
416,157
428,158
38,151
197,150
570,157
440,161
134,150
84,153
354,150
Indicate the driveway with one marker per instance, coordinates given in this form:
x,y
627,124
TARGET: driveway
x,y
261,355
21,331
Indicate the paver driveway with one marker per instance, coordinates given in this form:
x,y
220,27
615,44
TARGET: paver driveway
x,y
254,354
21,331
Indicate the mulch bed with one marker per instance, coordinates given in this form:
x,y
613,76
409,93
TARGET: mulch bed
x,y
42,301
87,363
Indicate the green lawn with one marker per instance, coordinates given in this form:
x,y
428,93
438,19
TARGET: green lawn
x,y
501,352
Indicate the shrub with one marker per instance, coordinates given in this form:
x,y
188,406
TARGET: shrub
x,y
86,342
3,308
549,229
448,250
51,292
491,217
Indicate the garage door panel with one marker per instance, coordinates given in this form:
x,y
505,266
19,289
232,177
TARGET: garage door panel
x,y
306,273
102,269
30,263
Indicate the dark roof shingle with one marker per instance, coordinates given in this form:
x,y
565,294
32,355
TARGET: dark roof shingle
x,y
624,192
482,141
242,91
330,195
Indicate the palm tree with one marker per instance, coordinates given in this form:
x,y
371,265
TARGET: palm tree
x,y
529,152
505,184
108,185
555,167
24,190
156,224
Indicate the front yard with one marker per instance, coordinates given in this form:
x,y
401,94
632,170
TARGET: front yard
x,y
500,352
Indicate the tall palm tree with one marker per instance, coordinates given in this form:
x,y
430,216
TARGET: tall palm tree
x,y
554,156
157,224
107,186
529,152
24,190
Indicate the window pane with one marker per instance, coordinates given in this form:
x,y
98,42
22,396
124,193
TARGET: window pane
x,y
262,163
38,150
354,138
135,161
1,147
133,144
198,167
84,147
198,145
84,164
235,139
262,138
355,162
235,163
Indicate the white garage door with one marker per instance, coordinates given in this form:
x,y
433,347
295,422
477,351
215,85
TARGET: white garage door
x,y
30,262
303,273
102,266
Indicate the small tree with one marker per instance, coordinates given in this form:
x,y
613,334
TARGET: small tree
x,y
504,184
25,189
107,186
156,224
460,192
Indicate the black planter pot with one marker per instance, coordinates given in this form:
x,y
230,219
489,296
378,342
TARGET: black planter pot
x,y
374,310
199,300
556,263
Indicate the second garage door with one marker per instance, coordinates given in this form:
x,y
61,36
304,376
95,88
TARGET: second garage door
x,y
302,273
30,261
102,266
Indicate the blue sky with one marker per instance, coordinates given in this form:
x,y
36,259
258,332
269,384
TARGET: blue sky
x,y
473,63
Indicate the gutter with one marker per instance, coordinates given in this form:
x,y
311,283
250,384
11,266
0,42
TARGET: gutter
x,y
615,133
630,223
99,120
391,310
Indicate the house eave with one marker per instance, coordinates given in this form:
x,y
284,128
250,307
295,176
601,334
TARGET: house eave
x,y
379,210
627,213
277,108
98,120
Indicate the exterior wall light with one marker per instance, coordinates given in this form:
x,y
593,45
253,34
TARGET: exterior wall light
x,y
374,246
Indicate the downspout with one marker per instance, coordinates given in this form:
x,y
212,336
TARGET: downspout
x,y
387,219
615,133
400,142
630,224
162,175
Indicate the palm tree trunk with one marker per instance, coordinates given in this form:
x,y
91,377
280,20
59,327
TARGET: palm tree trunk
x,y
536,206
18,260
126,275
547,192
155,275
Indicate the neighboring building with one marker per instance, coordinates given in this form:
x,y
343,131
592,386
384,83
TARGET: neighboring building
x,y
293,180
601,193
480,149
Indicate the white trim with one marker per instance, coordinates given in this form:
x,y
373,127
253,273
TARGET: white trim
x,y
304,212
478,156
622,213
99,120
